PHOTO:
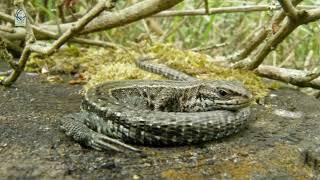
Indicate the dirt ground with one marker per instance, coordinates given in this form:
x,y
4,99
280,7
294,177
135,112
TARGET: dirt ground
x,y
281,141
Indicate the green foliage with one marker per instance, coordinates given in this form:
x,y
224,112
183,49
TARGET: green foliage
x,y
45,8
183,34
203,31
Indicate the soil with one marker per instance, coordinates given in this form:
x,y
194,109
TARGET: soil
x,y
280,142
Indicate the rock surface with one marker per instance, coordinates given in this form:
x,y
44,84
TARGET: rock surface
x,y
281,142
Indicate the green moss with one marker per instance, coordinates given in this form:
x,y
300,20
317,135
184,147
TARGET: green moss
x,y
119,71
64,61
99,65
200,66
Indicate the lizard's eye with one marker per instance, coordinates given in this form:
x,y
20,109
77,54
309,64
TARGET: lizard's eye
x,y
222,92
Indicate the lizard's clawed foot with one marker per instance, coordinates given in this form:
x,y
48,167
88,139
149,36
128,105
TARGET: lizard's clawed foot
x,y
74,126
102,142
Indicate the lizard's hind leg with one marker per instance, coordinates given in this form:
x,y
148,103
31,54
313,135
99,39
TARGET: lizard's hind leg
x,y
74,126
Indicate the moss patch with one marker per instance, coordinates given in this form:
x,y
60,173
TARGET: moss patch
x,y
200,66
99,65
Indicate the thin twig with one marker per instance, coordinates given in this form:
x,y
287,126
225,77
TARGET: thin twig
x,y
144,23
290,10
220,10
6,29
206,6
5,55
6,17
11,45
307,62
95,42
154,26
270,45
68,19
288,27
250,46
171,31
7,73
287,59
77,27
61,11
209,47
256,40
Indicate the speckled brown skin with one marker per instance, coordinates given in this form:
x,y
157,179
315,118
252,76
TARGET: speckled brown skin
x,y
156,112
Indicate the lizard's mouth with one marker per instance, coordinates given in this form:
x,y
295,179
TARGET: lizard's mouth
x,y
233,104
229,105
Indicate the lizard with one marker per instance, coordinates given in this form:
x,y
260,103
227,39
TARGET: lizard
x,y
158,112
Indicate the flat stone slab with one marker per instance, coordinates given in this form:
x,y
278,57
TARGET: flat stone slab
x,y
281,141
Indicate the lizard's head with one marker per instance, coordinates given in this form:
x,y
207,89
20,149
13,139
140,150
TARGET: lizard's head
x,y
228,95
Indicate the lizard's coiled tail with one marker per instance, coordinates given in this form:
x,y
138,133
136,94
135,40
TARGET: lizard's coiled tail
x,y
164,70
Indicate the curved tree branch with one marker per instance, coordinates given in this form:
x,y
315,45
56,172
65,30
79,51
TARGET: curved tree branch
x,y
105,21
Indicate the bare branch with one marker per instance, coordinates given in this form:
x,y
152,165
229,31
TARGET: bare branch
x,y
220,10
270,45
6,17
154,26
105,21
311,15
7,73
292,76
206,6
250,46
209,47
76,28
289,26
290,10
61,11
74,39
307,61
5,55
257,39
171,31
16,73
6,29
128,15
94,42
25,53
11,45
68,19
260,37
